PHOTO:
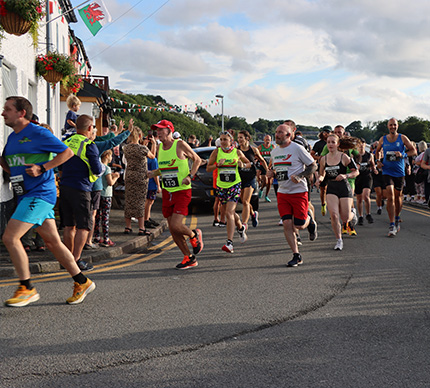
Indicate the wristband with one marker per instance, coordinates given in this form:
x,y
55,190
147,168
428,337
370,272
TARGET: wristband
x,y
42,168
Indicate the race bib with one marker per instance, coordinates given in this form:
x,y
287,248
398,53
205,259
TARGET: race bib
x,y
170,179
332,171
18,184
227,175
390,156
281,173
363,166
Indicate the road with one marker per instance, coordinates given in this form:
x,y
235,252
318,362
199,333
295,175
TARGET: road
x,y
355,318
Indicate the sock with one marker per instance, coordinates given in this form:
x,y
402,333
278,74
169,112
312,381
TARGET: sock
x,y
80,278
397,218
229,241
26,284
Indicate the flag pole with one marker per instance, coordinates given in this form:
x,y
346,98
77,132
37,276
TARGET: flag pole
x,y
65,13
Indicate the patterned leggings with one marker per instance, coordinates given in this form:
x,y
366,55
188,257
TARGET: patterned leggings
x,y
103,216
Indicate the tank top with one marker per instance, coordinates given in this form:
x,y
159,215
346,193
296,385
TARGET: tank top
x,y
265,152
248,174
173,170
333,171
228,173
364,163
393,165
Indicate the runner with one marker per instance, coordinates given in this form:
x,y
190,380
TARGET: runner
x,y
34,185
339,193
173,156
228,159
248,177
291,164
395,147
265,149
378,182
363,182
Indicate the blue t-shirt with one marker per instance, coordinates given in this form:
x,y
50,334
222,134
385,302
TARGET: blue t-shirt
x,y
70,116
34,144
152,165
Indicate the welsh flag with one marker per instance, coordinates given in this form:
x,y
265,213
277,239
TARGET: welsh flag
x,y
95,16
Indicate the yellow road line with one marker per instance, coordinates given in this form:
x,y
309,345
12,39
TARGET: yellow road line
x,y
117,264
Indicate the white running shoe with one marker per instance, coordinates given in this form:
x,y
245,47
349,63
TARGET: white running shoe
x,y
392,231
228,247
354,217
242,234
339,245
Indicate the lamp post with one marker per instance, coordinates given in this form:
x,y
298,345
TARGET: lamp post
x,y
222,110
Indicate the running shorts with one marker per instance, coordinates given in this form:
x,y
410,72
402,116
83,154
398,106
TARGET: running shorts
x,y
293,205
176,202
33,211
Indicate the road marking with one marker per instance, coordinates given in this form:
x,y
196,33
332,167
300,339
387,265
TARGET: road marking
x,y
111,265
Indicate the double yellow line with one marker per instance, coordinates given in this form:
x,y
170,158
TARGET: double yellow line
x,y
162,247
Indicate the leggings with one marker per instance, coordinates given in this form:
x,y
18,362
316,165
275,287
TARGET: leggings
x,y
102,216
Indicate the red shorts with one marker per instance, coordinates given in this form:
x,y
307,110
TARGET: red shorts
x,y
176,202
293,205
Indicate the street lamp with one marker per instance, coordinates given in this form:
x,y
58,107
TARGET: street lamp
x,y
222,110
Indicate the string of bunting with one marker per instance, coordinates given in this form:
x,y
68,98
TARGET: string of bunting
x,y
176,108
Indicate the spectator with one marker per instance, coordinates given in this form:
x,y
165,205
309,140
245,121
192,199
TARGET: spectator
x,y
73,103
192,139
153,188
209,142
136,180
417,174
108,180
425,164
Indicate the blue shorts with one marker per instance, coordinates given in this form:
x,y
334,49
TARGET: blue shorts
x,y
33,211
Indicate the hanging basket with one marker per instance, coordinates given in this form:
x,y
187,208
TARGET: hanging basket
x,y
65,91
53,76
14,24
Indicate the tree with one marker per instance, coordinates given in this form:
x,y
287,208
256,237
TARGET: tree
x,y
416,129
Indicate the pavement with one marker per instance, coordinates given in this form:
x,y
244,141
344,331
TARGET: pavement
x,y
44,262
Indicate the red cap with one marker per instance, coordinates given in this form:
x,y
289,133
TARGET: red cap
x,y
163,124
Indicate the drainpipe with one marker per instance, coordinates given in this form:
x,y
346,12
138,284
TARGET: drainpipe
x,y
48,86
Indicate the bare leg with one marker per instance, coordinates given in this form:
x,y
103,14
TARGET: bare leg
x,y
179,230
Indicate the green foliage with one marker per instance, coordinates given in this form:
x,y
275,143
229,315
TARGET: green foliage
x,y
416,129
30,10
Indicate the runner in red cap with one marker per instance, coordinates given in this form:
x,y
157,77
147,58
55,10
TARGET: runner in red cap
x,y
173,156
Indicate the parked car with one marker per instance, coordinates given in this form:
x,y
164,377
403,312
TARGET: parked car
x,y
202,185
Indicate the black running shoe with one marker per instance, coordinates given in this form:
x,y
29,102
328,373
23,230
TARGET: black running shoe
x,y
379,212
369,219
360,220
313,230
84,266
297,260
197,241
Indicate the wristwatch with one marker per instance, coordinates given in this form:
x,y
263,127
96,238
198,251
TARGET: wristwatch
x,y
42,169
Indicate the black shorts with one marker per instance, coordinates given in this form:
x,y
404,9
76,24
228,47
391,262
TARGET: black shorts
x,y
340,189
249,183
95,199
397,182
76,207
378,181
363,181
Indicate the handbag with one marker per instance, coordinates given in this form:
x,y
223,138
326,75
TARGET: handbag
x,y
421,175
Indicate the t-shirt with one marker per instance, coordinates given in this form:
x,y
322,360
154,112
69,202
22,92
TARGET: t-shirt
x,y
106,190
426,160
318,147
288,161
72,116
34,145
152,165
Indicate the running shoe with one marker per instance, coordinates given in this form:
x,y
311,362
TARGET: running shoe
x,y
379,212
267,199
215,223
369,218
344,230
324,209
397,225
80,292
297,260
281,223
91,246
107,244
84,266
339,245
23,297
222,224
188,262
154,223
260,194
351,230
392,231
354,220
228,247
197,241
254,219
242,234
299,240
313,230
148,225
360,220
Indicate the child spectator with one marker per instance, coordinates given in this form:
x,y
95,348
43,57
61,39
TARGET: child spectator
x,y
108,179
153,188
73,103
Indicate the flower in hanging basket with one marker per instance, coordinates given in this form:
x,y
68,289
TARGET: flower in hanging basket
x,y
54,67
20,16
73,83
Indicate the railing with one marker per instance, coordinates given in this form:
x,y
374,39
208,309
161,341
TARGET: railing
x,y
100,81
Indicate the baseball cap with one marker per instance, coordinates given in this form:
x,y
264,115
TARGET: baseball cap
x,y
176,135
328,130
163,124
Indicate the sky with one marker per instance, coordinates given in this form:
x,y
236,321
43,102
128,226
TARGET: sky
x,y
318,62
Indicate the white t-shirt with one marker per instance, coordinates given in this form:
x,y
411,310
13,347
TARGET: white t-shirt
x,y
288,161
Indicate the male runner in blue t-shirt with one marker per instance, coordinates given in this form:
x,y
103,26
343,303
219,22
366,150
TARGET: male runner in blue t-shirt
x,y
395,147
27,157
